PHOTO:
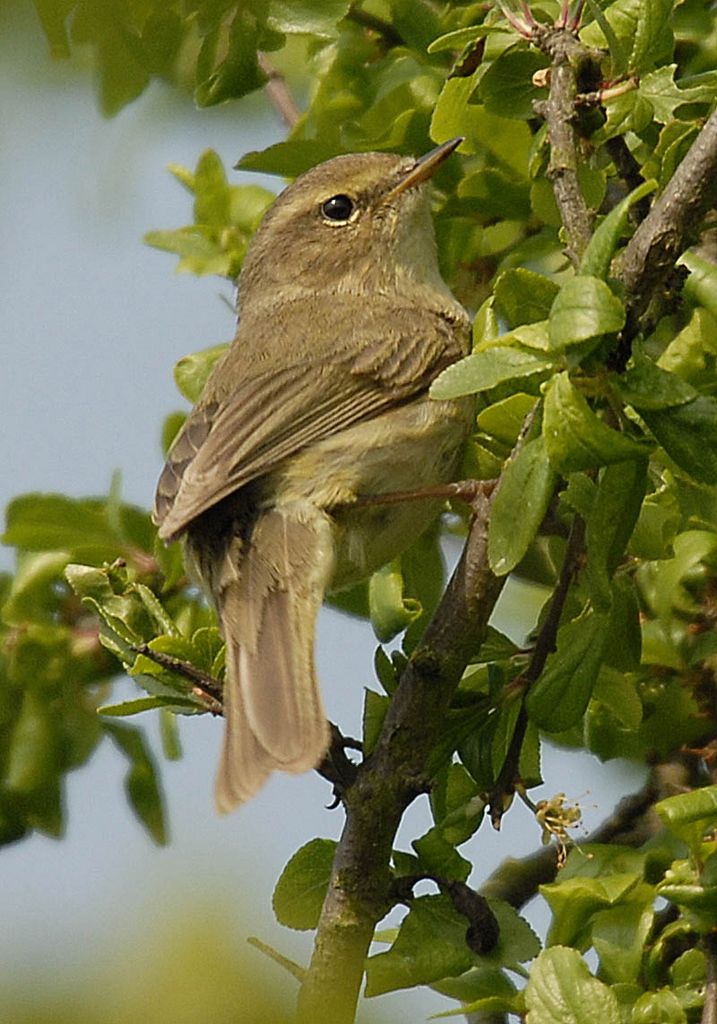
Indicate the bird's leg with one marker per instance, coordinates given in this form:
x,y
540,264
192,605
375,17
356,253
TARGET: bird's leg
x,y
336,767
468,491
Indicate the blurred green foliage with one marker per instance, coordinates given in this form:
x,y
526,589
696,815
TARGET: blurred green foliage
x,y
630,449
187,968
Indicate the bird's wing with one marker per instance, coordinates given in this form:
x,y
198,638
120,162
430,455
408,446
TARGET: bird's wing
x,y
353,372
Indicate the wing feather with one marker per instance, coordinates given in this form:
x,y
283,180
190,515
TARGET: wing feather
x,y
359,366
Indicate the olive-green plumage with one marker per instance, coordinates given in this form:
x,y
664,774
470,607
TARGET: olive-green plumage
x,y
344,323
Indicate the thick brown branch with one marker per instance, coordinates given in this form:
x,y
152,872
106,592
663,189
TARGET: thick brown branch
x,y
672,224
388,782
567,55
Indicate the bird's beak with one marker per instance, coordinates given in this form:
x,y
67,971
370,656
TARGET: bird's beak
x,y
425,167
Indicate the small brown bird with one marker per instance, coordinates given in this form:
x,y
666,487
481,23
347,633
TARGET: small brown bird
x,y
344,322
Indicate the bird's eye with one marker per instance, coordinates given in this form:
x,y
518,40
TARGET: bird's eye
x,y
337,209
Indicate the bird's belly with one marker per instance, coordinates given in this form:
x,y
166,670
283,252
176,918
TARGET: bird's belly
x,y
410,448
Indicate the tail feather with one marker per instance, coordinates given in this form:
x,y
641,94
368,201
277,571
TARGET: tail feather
x,y
274,713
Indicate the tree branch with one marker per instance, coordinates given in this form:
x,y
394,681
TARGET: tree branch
x,y
709,1012
516,880
384,29
278,93
632,823
672,224
569,56
359,890
544,646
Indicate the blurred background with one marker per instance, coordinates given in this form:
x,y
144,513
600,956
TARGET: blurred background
x,y
102,925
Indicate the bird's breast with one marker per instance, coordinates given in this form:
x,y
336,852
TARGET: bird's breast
x,y
410,448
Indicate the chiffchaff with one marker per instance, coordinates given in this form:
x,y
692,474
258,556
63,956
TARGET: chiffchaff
x,y
322,397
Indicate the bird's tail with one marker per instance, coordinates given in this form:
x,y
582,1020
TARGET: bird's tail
x,y
269,591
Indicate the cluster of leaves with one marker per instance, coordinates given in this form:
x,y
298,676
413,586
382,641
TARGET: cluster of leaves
x,y
211,45
57,668
617,463
651,967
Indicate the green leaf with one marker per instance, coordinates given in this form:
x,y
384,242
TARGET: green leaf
x,y
141,782
211,191
688,433
34,594
602,32
456,804
120,57
439,857
585,307
308,17
424,571
610,523
136,707
169,735
619,935
661,1007
299,893
33,754
491,194
701,285
79,526
665,95
523,297
619,696
691,352
653,33
504,420
524,493
559,698
227,66
192,372
289,158
482,990
561,989
645,385
484,370
431,945
507,87
625,649
575,900
575,438
689,815
375,709
53,15
390,611
606,237
459,38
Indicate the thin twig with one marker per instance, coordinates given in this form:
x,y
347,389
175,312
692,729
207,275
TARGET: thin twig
x,y
709,1011
504,787
390,36
632,823
205,683
278,92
